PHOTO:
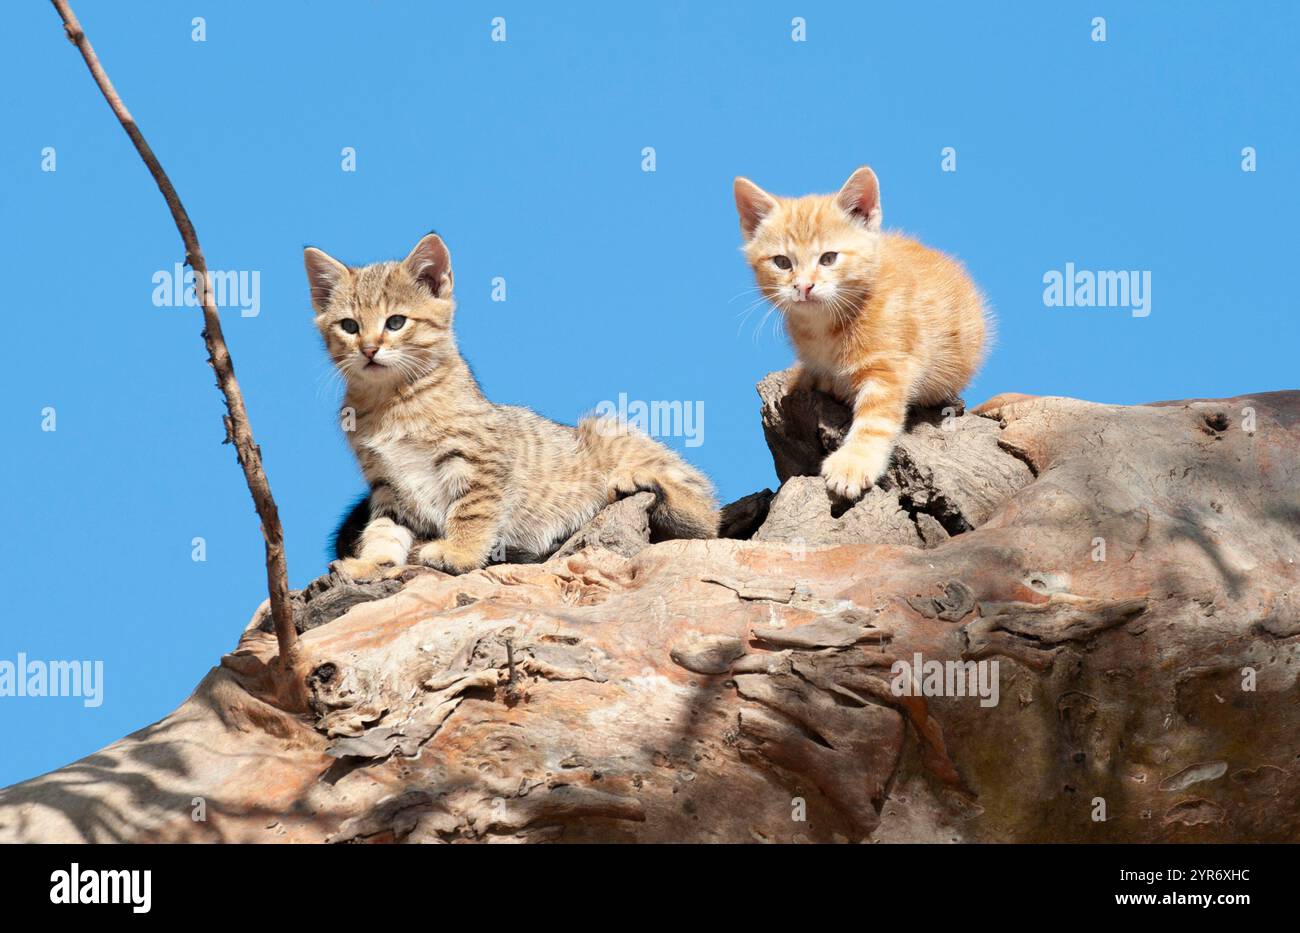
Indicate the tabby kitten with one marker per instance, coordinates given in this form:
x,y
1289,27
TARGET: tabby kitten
x,y
447,466
877,320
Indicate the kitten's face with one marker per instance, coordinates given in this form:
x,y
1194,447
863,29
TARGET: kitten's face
x,y
816,254
389,323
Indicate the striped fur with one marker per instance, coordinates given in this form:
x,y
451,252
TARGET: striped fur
x,y
877,319
456,481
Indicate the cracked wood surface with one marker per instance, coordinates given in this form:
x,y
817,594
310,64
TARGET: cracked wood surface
x,y
715,690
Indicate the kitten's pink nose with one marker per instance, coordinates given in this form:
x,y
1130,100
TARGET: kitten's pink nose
x,y
369,352
805,290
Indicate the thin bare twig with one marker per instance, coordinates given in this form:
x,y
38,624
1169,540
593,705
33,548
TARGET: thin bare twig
x,y
238,430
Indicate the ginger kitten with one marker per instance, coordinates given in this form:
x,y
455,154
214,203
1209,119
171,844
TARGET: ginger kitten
x,y
447,466
877,319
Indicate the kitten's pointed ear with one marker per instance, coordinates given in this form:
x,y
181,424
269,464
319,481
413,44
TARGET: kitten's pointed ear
x,y
753,204
861,196
324,273
430,263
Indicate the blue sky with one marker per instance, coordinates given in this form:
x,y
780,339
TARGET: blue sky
x,y
527,156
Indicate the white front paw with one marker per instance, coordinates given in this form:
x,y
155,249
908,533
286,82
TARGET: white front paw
x,y
851,470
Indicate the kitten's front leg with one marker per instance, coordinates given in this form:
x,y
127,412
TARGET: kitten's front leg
x,y
807,379
384,542
470,534
879,410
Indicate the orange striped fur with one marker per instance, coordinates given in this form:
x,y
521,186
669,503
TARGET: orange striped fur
x,y
877,320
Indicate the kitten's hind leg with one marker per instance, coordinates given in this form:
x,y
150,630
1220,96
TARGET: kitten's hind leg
x,y
633,462
628,481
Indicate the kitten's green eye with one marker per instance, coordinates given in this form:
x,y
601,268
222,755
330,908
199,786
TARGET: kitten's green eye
x,y
783,262
828,259
395,322
349,326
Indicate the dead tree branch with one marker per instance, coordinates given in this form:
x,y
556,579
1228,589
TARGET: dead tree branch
x,y
238,430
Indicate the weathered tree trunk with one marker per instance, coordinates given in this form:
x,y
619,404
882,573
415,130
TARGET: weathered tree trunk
x,y
1131,570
